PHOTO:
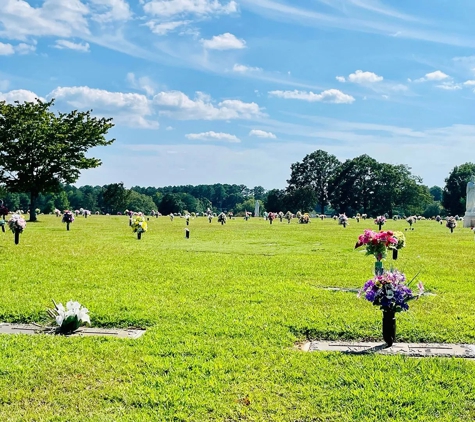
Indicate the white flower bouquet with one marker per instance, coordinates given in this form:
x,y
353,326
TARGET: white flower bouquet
x,y
69,319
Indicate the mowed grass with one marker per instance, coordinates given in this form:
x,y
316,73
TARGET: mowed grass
x,y
223,311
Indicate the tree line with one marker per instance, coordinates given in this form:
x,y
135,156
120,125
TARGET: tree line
x,y
320,182
42,153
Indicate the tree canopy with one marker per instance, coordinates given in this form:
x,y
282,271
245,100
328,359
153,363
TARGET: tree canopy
x,y
40,150
314,172
454,194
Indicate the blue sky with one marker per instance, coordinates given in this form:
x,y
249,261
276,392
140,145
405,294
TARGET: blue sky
x,y
219,91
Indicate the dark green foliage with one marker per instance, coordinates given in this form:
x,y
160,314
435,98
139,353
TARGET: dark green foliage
x,y
115,197
453,197
42,150
314,172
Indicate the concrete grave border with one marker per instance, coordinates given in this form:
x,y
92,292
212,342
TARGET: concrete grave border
x,y
30,329
466,351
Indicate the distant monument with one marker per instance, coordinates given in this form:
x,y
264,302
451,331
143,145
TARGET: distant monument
x,y
256,209
469,218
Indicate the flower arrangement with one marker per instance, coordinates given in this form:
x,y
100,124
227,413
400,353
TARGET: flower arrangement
x,y
451,224
69,319
68,217
17,223
380,220
390,291
377,244
343,220
139,224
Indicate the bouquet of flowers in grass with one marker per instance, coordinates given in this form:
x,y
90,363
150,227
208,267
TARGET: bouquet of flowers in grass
x,y
377,244
68,217
69,319
380,220
401,241
343,220
390,291
16,223
139,224
451,223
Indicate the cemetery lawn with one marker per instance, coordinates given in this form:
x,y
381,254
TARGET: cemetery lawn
x,y
224,311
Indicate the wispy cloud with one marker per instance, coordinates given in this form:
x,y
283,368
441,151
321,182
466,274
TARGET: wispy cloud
x,y
330,96
213,136
433,76
419,29
165,27
262,134
178,105
243,68
21,48
69,45
169,8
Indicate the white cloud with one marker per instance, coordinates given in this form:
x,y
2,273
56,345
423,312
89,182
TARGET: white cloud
x,y
243,68
6,49
182,107
110,10
129,109
262,134
143,83
330,96
63,18
433,76
65,44
22,48
165,27
196,7
469,83
340,79
20,95
360,77
225,41
213,136
449,86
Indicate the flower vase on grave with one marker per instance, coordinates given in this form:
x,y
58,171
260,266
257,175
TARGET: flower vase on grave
x,y
380,225
378,268
139,235
3,226
17,237
67,226
389,326
395,253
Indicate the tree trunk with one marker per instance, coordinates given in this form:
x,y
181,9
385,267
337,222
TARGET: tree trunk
x,y
33,198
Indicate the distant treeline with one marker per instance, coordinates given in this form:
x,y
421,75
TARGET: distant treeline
x,y
320,182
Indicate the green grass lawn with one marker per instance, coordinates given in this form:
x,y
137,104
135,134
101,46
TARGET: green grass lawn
x,y
223,312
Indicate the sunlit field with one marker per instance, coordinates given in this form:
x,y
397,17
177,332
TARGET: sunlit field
x,y
224,311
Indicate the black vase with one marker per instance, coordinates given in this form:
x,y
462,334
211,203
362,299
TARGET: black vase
x,y
395,251
380,225
389,327
3,228
17,237
67,226
139,235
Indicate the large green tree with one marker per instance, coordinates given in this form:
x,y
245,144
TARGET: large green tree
x,y
455,190
354,184
40,150
315,171
115,197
